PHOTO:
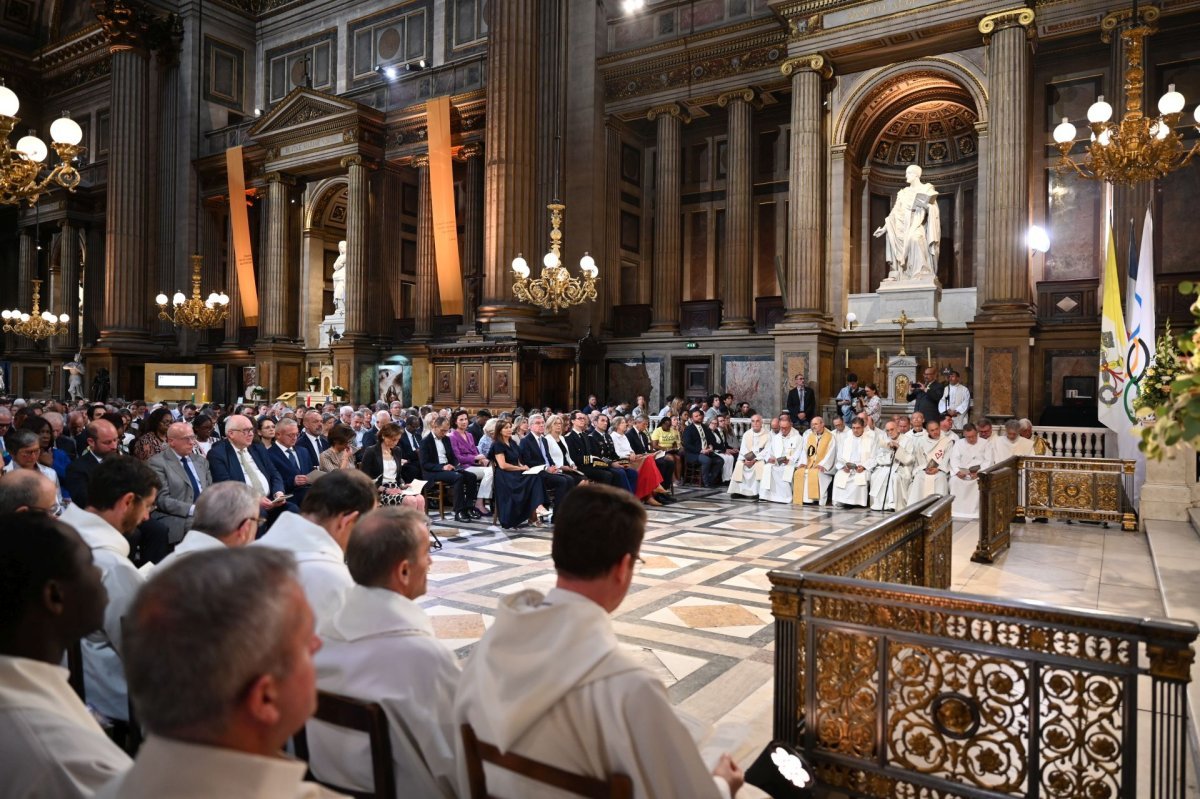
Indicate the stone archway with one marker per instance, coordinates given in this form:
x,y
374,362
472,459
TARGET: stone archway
x,y
325,211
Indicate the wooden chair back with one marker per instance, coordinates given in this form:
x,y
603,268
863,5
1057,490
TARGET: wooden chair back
x,y
477,752
359,716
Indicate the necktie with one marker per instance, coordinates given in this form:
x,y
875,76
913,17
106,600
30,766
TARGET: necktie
x,y
291,453
248,469
545,452
187,468
321,445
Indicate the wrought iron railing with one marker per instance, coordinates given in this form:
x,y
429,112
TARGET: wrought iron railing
x,y
896,688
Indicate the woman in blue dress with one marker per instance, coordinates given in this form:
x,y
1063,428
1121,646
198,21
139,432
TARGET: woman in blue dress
x,y
517,497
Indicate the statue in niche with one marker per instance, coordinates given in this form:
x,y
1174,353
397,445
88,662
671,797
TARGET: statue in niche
x,y
913,230
75,381
339,281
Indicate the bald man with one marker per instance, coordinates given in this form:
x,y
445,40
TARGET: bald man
x,y
23,490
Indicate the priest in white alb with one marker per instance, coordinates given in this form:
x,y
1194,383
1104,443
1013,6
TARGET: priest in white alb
x,y
1011,443
783,453
931,472
968,457
748,471
814,474
955,402
892,472
855,459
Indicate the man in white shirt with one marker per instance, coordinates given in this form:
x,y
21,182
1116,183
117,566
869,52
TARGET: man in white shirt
x,y
967,459
317,536
50,596
782,456
855,460
220,663
1011,443
748,471
931,472
892,470
955,402
226,516
814,471
121,493
549,680
380,626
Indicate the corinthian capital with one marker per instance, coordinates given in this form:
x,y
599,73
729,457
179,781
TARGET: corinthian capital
x,y
125,23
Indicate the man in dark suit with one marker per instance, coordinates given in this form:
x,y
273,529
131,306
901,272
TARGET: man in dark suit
x,y
475,428
639,440
440,465
313,436
238,458
534,452
698,447
582,449
184,475
293,463
102,441
928,395
801,404
410,448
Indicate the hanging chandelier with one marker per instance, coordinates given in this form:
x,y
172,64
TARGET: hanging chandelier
x,y
555,288
37,324
1138,148
193,311
21,165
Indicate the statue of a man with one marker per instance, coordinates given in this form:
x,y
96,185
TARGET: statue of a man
x,y
913,229
75,381
339,281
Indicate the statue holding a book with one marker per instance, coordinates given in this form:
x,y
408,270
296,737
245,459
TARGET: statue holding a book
x,y
913,230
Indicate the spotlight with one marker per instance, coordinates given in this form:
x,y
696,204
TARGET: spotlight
x,y
1038,239
257,112
415,66
632,6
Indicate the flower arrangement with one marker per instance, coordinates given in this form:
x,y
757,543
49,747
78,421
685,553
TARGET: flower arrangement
x,y
313,381
1154,389
338,392
259,392
1178,413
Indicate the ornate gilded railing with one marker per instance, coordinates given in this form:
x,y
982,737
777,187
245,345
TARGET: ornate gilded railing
x,y
999,496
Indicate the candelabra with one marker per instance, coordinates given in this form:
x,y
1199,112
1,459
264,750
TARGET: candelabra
x,y
555,288
193,311
21,165
37,324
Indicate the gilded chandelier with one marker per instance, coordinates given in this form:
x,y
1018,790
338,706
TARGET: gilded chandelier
x,y
1138,148
193,311
555,288
37,324
21,165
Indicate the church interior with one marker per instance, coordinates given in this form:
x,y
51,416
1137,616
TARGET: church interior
x,y
518,204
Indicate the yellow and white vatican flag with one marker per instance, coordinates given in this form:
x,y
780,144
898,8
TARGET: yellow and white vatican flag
x,y
1114,345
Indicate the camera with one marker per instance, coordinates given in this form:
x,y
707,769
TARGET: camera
x,y
858,393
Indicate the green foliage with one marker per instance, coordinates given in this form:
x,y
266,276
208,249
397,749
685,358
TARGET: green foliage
x,y
1177,414
1154,389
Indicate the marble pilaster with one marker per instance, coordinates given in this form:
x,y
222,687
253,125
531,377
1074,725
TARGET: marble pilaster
x,y
427,285
68,300
235,320
472,241
667,251
736,278
93,283
27,269
172,223
274,290
357,212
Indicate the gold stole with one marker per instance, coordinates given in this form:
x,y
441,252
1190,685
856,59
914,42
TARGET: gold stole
x,y
816,455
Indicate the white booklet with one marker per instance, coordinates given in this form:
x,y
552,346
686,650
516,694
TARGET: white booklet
x,y
414,488
535,470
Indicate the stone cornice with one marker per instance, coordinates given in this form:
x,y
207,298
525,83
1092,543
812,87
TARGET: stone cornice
x,y
747,56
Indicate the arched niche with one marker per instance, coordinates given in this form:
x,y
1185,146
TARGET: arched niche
x,y
325,211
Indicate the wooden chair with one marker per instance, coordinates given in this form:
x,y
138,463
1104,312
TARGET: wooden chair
x,y
367,717
436,492
477,752
692,474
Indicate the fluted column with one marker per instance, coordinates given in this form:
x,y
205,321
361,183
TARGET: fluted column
x,y
235,320
472,244
27,270
69,278
1005,285
510,148
737,282
804,294
128,176
427,285
93,283
667,254
357,210
172,275
275,288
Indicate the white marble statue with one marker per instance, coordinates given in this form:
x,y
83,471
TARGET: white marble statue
x,y
339,281
913,229
75,381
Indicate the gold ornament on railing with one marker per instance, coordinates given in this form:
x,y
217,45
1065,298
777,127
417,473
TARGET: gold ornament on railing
x,y
21,165
1138,148
555,288
193,311
37,324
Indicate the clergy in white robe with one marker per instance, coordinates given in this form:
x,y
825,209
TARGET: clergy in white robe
x,y
751,460
955,402
380,647
855,460
931,472
814,472
1011,444
967,459
892,472
783,454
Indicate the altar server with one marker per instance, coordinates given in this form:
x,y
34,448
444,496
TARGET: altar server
x,y
855,459
931,472
892,472
814,475
955,402
967,459
782,456
751,460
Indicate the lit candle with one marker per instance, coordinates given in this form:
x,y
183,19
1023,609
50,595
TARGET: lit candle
x,y
876,357
847,357
967,358
928,357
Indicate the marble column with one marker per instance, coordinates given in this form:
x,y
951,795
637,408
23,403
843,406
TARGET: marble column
x,y
235,320
1005,286
510,144
275,290
472,243
172,223
609,254
27,270
737,280
357,212
69,279
427,285
667,226
128,178
804,294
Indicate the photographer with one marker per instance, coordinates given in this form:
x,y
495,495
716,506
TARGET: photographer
x,y
928,395
847,398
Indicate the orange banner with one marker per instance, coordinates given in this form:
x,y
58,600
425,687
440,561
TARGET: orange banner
x,y
240,227
445,226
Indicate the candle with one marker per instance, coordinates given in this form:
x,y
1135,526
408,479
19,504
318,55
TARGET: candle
x,y
847,357
967,358
928,357
876,357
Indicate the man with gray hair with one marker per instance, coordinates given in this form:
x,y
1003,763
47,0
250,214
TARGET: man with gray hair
x,y
183,475
380,625
1011,443
24,490
219,661
226,515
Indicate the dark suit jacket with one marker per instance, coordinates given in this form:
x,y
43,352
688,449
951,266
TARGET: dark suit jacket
x,y
302,442
225,466
80,444
531,453
372,464
476,431
635,441
67,445
926,400
807,406
429,454
78,474
693,443
580,447
411,452
288,472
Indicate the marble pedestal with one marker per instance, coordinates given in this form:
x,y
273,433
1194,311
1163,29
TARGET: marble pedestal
x,y
335,321
917,298
1171,490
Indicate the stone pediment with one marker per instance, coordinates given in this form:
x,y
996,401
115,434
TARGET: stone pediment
x,y
305,112
310,132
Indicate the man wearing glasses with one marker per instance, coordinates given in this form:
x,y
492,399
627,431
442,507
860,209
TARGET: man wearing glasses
x,y
238,458
226,516
184,475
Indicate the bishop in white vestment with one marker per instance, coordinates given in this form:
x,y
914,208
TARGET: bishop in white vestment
x,y
814,474
855,459
931,472
967,459
782,457
748,471
892,472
